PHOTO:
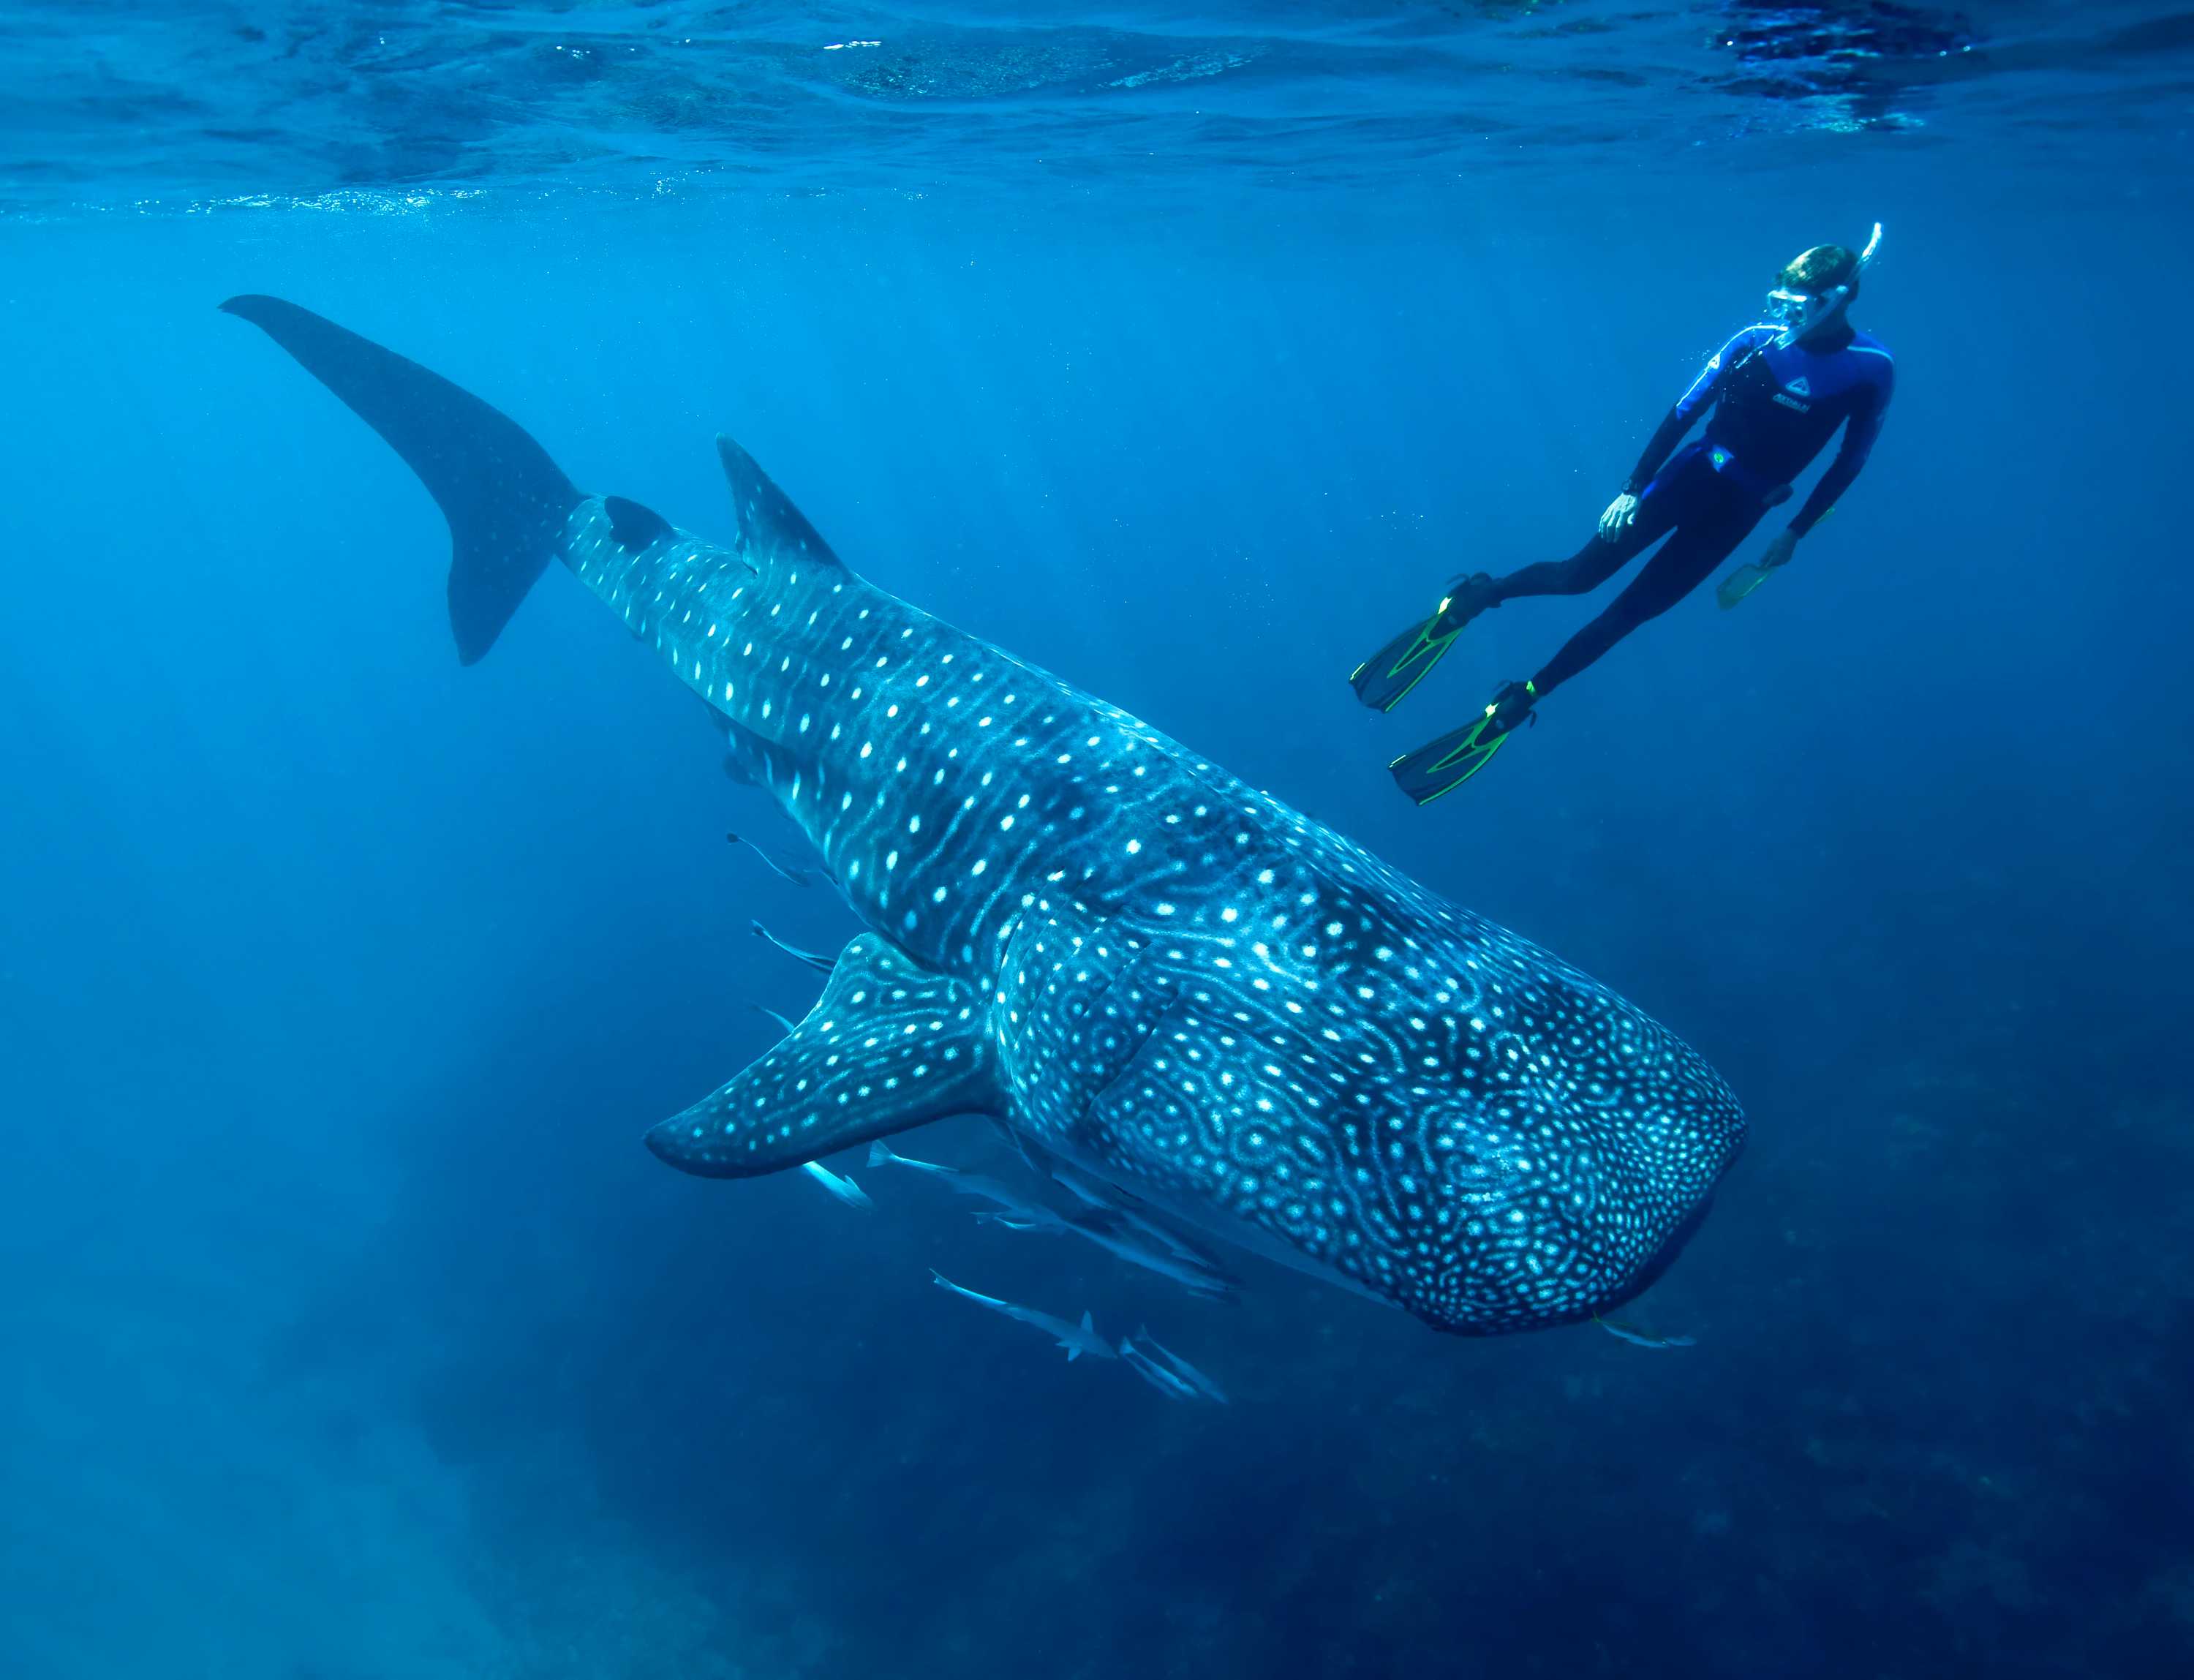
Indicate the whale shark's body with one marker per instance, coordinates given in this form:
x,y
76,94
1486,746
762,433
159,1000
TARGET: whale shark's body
x,y
1078,927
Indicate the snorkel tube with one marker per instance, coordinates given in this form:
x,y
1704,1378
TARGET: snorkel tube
x,y
1803,312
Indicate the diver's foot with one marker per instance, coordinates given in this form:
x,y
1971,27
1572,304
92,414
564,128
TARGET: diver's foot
x,y
1467,597
1382,681
1442,766
1512,706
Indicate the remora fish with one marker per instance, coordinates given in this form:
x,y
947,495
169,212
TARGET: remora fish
x,y
1157,1375
1641,1338
1083,930
843,1188
785,1023
1101,1225
1021,1220
1000,1195
1142,1349
822,965
798,878
1104,1227
1092,1193
1077,1338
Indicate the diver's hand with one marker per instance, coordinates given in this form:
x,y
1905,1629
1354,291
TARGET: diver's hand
x,y
1780,550
1620,512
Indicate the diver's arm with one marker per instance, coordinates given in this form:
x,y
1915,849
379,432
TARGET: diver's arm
x,y
1662,444
1658,448
1624,508
1823,502
1860,431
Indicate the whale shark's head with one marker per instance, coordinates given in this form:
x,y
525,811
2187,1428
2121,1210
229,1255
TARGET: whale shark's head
x,y
1558,1192
1483,1137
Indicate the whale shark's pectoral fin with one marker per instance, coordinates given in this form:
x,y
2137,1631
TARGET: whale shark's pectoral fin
x,y
889,1045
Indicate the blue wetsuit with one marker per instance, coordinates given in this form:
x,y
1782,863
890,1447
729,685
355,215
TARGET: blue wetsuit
x,y
1775,408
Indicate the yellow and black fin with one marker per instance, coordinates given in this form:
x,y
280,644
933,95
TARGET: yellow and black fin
x,y
1440,767
1385,679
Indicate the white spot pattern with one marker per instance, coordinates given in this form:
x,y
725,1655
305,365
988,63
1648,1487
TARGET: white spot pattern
x,y
1146,961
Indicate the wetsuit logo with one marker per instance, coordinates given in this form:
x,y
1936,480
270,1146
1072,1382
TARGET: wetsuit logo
x,y
1799,387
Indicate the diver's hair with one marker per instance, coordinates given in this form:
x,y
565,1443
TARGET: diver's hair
x,y
1821,267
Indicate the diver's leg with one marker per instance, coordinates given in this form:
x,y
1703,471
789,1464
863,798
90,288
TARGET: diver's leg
x,y
1599,560
1387,678
1687,560
1582,572
1440,767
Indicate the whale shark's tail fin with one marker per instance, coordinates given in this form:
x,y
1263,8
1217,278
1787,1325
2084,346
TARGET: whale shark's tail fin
x,y
506,501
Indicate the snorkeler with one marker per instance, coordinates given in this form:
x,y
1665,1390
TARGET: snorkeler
x,y
1778,390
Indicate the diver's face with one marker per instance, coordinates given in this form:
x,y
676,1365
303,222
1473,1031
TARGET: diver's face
x,y
1805,314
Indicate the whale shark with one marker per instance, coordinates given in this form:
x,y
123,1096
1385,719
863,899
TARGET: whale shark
x,y
1170,982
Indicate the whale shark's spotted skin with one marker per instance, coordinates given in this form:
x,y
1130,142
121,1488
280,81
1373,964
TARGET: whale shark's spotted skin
x,y
1080,928
1185,983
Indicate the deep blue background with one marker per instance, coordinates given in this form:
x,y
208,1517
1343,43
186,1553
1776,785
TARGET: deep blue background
x,y
349,1331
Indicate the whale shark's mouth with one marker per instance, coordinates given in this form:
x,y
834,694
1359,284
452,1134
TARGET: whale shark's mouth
x,y
1664,1257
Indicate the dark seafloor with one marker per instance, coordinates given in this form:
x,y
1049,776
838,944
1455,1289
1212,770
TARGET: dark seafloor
x,y
347,1331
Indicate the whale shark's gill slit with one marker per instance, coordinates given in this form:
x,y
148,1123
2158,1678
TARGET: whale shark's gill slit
x,y
505,500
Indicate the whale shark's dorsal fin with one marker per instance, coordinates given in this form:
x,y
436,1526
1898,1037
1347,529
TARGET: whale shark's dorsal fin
x,y
890,1044
770,527
505,500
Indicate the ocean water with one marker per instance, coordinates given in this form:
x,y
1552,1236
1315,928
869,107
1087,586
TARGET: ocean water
x,y
349,1331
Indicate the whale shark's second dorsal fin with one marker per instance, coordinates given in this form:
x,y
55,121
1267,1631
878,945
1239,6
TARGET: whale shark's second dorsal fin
x,y
770,527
